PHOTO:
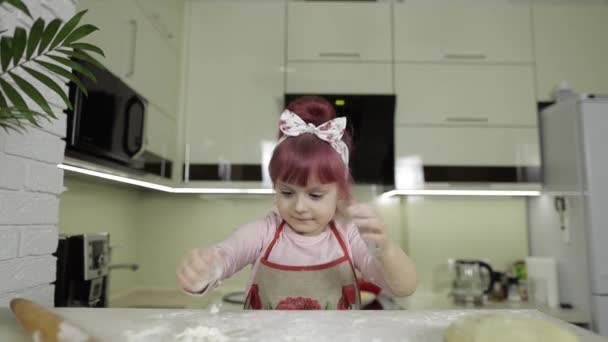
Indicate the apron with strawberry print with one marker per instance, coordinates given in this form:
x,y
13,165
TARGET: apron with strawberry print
x,y
328,286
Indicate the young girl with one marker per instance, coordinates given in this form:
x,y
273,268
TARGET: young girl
x,y
305,252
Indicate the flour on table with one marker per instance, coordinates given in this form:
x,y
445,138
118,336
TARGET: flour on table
x,y
201,334
145,335
215,309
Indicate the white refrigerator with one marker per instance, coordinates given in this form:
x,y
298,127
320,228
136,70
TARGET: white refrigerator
x,y
574,145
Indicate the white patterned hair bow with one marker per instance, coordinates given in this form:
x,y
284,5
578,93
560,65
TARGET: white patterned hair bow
x,y
331,131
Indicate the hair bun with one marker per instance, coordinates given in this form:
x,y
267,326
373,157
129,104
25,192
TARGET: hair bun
x,y
312,109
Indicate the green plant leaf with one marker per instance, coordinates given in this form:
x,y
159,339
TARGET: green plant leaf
x,y
47,81
65,74
87,47
67,28
33,93
20,5
35,34
12,94
83,56
3,103
80,33
19,40
74,65
5,52
48,34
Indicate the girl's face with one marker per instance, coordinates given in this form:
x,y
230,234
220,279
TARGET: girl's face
x,y
308,209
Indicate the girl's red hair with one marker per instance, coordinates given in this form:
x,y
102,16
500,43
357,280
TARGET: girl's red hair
x,y
297,160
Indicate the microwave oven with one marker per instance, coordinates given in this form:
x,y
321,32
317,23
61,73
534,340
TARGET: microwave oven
x,y
107,126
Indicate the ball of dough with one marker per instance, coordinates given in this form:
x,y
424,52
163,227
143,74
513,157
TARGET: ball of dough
x,y
503,327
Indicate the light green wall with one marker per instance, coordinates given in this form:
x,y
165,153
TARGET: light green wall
x,y
174,224
493,228
156,230
93,207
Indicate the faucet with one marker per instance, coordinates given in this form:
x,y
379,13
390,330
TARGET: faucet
x,y
133,267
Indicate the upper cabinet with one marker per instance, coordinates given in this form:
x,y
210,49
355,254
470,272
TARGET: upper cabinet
x,y
136,51
335,78
465,94
235,81
470,30
152,65
112,26
346,31
167,18
571,45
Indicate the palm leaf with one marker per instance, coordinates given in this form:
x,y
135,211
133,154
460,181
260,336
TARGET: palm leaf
x,y
3,103
86,47
20,5
48,34
33,93
80,33
74,65
12,94
47,81
19,40
35,34
64,73
67,29
18,114
81,55
5,52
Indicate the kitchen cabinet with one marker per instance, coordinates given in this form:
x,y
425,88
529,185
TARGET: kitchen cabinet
x,y
468,146
235,81
152,65
112,26
167,18
465,94
136,51
463,31
340,78
346,31
160,133
571,45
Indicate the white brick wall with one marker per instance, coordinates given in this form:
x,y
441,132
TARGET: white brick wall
x,y
30,183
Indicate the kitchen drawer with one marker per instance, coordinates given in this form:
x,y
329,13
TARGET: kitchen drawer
x,y
468,146
340,78
464,94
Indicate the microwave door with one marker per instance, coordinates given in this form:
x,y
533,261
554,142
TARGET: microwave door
x,y
134,128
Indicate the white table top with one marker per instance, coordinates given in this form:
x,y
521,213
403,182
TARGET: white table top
x,y
152,325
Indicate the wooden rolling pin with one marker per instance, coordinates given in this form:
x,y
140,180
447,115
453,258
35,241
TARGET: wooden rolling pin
x,y
44,325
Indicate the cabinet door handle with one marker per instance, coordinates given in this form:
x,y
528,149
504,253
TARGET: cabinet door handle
x,y
131,70
466,120
465,56
340,54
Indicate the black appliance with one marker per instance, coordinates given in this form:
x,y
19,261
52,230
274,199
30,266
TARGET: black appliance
x,y
82,270
371,121
107,125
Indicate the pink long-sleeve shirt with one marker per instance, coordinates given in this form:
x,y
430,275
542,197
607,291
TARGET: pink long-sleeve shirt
x,y
248,243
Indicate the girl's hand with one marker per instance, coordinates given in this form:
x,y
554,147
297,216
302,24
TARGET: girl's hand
x,y
371,227
201,268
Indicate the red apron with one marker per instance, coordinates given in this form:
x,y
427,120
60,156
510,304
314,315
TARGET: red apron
x,y
329,286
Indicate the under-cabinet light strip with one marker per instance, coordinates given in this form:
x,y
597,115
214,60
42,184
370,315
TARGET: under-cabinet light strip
x,y
262,191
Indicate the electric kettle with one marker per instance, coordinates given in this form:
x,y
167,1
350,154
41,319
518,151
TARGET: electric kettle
x,y
473,279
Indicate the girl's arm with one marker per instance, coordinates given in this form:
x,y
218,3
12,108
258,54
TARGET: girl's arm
x,y
205,268
380,260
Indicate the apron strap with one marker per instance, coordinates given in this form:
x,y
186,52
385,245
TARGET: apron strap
x,y
274,240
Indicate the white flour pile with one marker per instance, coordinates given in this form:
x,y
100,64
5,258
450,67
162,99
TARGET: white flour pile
x,y
201,334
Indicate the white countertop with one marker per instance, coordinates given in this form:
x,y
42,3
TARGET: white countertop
x,y
150,325
174,299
